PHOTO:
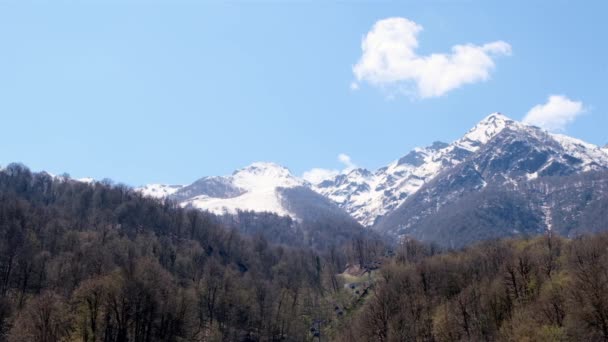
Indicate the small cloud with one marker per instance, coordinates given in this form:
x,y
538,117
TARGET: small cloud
x,y
354,86
317,175
346,160
556,114
389,59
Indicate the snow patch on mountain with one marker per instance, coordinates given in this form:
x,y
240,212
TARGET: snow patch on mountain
x,y
158,190
254,188
262,175
66,177
590,155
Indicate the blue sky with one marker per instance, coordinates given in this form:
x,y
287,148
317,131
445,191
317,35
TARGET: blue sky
x,y
169,91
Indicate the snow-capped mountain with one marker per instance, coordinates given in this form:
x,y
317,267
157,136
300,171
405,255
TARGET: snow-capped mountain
x,y
492,192
255,187
259,187
368,196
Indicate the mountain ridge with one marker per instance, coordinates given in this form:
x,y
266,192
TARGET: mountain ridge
x,y
371,197
495,178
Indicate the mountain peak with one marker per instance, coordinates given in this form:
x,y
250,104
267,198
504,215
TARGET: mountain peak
x,y
263,170
265,175
485,130
496,116
256,187
258,167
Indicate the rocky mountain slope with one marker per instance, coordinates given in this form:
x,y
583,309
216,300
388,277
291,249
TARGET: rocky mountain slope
x,y
378,193
369,196
497,180
495,191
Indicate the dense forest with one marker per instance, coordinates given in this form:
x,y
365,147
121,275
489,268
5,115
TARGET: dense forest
x,y
540,289
100,262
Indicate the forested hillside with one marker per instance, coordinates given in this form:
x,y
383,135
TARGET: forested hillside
x,y
100,262
541,289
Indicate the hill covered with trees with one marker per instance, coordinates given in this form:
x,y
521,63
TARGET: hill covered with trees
x,y
541,289
100,262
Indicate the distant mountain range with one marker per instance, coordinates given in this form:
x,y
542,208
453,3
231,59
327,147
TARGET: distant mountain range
x,y
501,178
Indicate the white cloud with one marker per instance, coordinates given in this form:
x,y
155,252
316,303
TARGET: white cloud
x,y
317,175
389,59
556,114
348,163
